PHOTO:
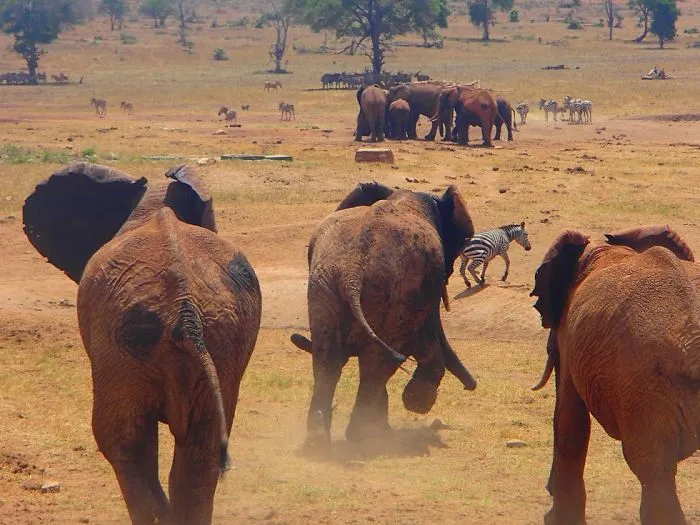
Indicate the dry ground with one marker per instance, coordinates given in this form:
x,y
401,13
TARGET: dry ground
x,y
621,171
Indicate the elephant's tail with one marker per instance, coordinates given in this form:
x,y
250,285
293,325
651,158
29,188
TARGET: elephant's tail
x,y
301,342
190,333
351,290
515,124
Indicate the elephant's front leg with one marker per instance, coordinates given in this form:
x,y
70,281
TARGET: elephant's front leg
x,y
433,129
572,428
507,260
370,415
486,134
509,127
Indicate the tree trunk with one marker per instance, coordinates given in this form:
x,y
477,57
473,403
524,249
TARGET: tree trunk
x,y
661,43
32,59
377,59
644,34
111,22
611,30
486,30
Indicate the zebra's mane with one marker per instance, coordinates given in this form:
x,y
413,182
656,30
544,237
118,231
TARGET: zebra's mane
x,y
509,227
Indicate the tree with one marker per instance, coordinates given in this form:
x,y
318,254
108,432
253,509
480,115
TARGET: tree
x,y
280,19
375,20
159,10
428,16
481,12
116,10
663,21
609,15
181,6
643,8
35,22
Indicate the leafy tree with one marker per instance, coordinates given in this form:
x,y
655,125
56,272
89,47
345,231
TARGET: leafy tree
x,y
159,10
35,22
481,12
116,10
375,20
427,16
643,8
663,20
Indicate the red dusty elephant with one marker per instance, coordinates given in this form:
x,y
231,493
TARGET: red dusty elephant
x,y
473,107
168,312
624,344
377,268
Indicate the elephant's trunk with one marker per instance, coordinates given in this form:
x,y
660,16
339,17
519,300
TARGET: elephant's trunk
x,y
456,368
545,375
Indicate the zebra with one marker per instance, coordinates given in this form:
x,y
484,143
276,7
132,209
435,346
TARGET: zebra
x,y
587,109
245,107
229,115
523,108
482,247
128,107
547,106
288,110
272,84
100,106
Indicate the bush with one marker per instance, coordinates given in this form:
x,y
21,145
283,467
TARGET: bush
x,y
574,24
127,39
691,31
514,16
220,54
241,22
214,24
89,153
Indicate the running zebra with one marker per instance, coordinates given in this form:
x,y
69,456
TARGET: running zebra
x,y
547,106
482,247
523,108
229,115
288,110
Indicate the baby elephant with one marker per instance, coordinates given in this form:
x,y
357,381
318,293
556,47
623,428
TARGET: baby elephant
x,y
399,116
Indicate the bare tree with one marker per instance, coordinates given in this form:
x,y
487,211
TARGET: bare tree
x,y
182,15
280,20
610,15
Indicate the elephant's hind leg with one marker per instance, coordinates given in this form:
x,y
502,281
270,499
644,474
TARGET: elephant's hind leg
x,y
128,438
572,428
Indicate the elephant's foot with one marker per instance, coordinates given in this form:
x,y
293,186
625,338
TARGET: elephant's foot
x,y
504,278
419,395
557,518
362,429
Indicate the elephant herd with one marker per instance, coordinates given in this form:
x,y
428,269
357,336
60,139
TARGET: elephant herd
x,y
394,113
169,313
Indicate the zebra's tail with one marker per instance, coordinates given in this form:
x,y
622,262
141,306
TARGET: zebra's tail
x,y
351,289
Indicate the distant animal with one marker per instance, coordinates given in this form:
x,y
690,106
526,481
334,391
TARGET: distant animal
x,y
245,107
548,106
399,116
523,108
128,107
587,110
60,77
272,84
482,247
422,78
229,115
100,106
287,110
504,115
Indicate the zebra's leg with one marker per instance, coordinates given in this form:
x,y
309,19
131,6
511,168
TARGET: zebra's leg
x,y
472,269
462,267
507,260
483,273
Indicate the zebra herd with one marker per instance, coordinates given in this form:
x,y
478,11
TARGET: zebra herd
x,y
576,108
22,77
355,80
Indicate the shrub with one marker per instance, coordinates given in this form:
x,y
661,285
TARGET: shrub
x,y
691,31
89,153
514,16
214,24
220,54
127,39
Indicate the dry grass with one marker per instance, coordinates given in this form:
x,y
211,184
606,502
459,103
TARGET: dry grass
x,y
635,171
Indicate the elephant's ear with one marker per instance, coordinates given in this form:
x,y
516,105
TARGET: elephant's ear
x,y
70,215
455,225
365,194
556,275
189,197
644,237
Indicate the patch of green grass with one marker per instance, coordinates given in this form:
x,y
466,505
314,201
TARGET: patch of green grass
x,y
89,153
14,154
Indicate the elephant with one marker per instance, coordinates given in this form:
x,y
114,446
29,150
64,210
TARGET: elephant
x,y
371,120
168,313
473,107
624,344
504,115
399,116
423,100
377,268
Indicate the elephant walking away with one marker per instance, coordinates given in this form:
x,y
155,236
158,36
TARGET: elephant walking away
x,y
372,115
378,266
169,314
399,117
505,114
624,344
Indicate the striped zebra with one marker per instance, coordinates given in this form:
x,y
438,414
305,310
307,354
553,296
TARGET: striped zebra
x,y
482,247
229,115
547,106
523,108
288,110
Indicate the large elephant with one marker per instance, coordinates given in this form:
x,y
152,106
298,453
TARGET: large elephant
x,y
473,107
423,100
505,115
399,118
169,314
377,268
624,344
371,120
